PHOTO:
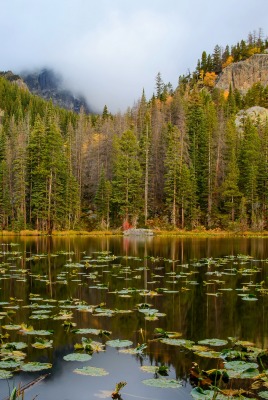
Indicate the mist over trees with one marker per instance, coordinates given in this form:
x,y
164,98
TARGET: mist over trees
x,y
176,160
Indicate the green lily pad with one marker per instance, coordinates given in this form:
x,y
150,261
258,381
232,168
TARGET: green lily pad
x,y
208,354
249,373
162,383
177,342
11,327
91,371
5,374
9,364
149,368
39,316
119,343
86,331
249,298
35,366
40,332
15,345
213,342
77,357
240,366
263,394
200,394
42,343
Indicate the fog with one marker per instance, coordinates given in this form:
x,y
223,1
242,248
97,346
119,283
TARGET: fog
x,y
109,51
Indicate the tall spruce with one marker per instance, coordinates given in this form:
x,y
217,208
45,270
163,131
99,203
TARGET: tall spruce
x,y
103,200
249,170
127,192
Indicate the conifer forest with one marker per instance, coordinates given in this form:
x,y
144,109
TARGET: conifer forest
x,y
178,160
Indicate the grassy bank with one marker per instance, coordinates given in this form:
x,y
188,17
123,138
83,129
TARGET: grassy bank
x,y
157,232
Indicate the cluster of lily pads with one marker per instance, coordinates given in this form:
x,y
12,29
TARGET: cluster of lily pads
x,y
123,277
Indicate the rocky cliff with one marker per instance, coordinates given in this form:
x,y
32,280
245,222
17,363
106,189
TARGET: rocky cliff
x,y
243,74
49,85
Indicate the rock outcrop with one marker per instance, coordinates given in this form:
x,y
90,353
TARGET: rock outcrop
x,y
243,74
48,85
258,116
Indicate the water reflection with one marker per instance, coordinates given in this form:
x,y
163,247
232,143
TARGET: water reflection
x,y
196,304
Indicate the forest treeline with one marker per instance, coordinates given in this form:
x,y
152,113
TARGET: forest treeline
x,y
176,160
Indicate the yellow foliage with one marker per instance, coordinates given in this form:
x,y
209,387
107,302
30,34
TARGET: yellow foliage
x,y
225,94
209,79
201,74
229,61
254,50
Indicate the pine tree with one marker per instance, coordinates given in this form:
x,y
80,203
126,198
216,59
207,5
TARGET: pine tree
x,y
127,178
249,169
19,173
173,165
103,198
263,175
230,189
37,175
5,195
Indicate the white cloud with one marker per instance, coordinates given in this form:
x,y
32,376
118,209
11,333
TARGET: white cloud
x,y
111,50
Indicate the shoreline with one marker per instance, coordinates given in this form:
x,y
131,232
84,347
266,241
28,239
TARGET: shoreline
x,y
201,233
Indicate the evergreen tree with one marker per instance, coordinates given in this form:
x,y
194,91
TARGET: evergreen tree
x,y
263,176
127,178
103,198
249,169
217,59
178,187
5,195
173,164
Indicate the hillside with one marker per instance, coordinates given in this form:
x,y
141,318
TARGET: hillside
x,y
190,158
49,86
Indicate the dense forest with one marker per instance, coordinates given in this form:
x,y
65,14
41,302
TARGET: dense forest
x,y
176,160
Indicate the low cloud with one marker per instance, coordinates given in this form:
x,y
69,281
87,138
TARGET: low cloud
x,y
111,51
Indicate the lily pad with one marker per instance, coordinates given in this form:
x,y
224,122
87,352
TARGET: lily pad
x,y
77,357
39,316
35,366
176,342
92,331
40,332
9,364
263,394
119,343
91,371
5,374
200,394
42,343
15,345
162,383
240,366
11,327
213,342
208,354
149,368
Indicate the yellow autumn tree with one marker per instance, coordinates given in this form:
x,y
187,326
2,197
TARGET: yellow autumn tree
x,y
209,79
229,61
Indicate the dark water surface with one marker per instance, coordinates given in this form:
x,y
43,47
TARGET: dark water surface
x,y
200,282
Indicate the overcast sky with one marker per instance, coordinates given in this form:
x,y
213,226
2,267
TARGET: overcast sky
x,y
109,50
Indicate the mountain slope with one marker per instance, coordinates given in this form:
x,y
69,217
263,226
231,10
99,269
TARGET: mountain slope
x,y
48,85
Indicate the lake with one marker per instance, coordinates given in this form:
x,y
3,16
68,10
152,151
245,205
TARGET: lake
x,y
59,294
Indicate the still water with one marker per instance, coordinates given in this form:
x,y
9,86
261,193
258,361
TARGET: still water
x,y
195,287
